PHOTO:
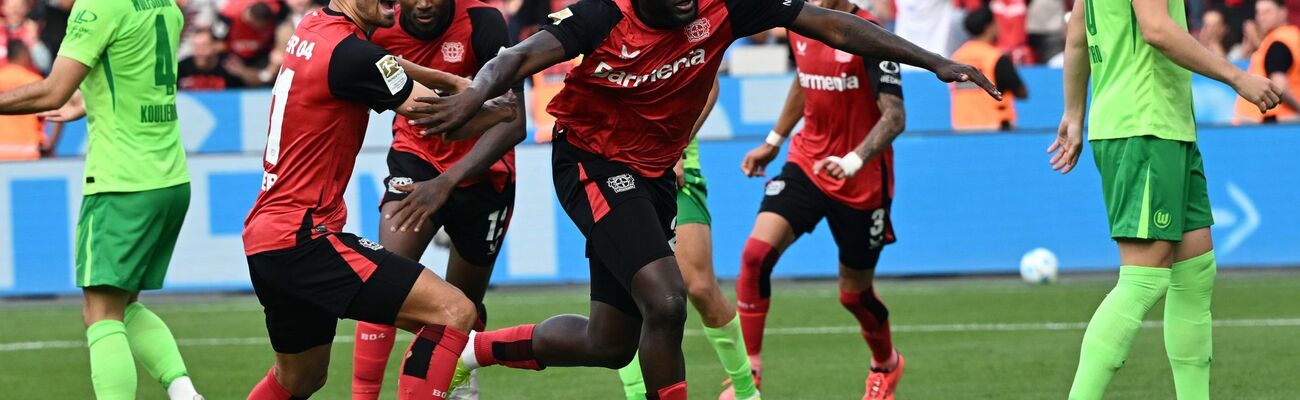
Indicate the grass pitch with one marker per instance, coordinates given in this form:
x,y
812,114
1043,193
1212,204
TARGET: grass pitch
x,y
968,338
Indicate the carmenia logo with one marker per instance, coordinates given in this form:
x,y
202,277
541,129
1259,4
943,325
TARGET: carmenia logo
x,y
693,58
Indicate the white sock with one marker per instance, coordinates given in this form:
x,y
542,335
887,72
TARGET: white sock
x,y
181,389
467,356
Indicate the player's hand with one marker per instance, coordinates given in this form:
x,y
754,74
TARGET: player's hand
x,y
957,72
1068,145
830,168
504,107
755,162
73,110
680,171
446,114
1258,90
423,199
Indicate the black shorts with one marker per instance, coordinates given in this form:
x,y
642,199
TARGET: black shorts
x,y
475,217
628,219
859,234
305,289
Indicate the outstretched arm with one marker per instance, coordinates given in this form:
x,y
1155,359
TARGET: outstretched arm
x,y
1069,135
49,93
858,36
1172,40
434,79
511,65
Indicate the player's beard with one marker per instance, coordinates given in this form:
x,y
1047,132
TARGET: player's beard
x,y
378,13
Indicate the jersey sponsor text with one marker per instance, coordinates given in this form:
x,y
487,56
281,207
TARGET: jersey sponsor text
x,y
694,58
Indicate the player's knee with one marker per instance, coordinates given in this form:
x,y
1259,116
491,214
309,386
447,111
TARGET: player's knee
x,y
616,356
667,309
462,314
701,292
303,382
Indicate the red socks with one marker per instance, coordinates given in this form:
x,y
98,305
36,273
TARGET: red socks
x,y
676,391
754,291
374,343
430,363
511,347
873,317
270,389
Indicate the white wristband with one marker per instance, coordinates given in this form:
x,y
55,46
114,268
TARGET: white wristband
x,y
774,139
851,163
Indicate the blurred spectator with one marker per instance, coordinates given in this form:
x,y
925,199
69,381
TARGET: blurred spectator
x,y
1237,18
17,26
21,136
930,24
1293,12
1278,58
1214,36
882,9
1045,23
203,69
972,109
53,18
1009,16
248,30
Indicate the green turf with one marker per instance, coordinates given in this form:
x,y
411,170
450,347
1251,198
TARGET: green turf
x,y
1251,362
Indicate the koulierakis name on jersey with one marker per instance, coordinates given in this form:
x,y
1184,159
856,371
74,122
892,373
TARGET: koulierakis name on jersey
x,y
695,57
829,83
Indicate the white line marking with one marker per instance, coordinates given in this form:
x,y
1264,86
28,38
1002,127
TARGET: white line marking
x,y
791,331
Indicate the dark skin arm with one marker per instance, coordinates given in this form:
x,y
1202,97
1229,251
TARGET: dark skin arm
x,y
855,35
680,168
426,197
891,124
511,65
48,94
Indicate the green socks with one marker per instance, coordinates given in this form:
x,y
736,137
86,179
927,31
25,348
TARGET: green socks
x,y
112,369
1110,333
153,344
633,382
729,344
1187,325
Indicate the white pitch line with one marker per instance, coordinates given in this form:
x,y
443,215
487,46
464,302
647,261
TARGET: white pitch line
x,y
790,331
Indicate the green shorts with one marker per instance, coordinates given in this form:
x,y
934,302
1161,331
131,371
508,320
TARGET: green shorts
x,y
1154,188
692,200
125,239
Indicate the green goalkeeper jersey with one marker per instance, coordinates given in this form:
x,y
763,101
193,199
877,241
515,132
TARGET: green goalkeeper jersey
x,y
130,92
1136,90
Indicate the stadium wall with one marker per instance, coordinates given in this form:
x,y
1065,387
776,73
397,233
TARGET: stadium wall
x,y
964,203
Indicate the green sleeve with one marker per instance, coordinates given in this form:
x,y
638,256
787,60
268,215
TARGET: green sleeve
x,y
91,28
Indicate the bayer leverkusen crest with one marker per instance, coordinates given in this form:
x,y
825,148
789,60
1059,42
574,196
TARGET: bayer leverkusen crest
x,y
453,52
698,30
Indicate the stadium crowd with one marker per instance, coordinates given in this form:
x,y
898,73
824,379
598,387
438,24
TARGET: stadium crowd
x,y
227,43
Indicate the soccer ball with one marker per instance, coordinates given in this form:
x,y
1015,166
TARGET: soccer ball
x,y
1038,266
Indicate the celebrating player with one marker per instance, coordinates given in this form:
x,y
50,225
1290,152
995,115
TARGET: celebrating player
x,y
137,186
1143,138
694,254
474,178
840,168
623,120
307,273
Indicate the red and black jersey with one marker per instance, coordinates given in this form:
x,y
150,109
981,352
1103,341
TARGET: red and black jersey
x,y
638,91
249,43
331,79
840,91
460,45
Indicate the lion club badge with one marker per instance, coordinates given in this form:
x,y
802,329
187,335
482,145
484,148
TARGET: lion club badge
x,y
453,52
698,30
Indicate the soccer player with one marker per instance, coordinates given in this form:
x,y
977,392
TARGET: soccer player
x,y
136,192
840,168
306,272
474,178
624,119
694,254
1143,137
